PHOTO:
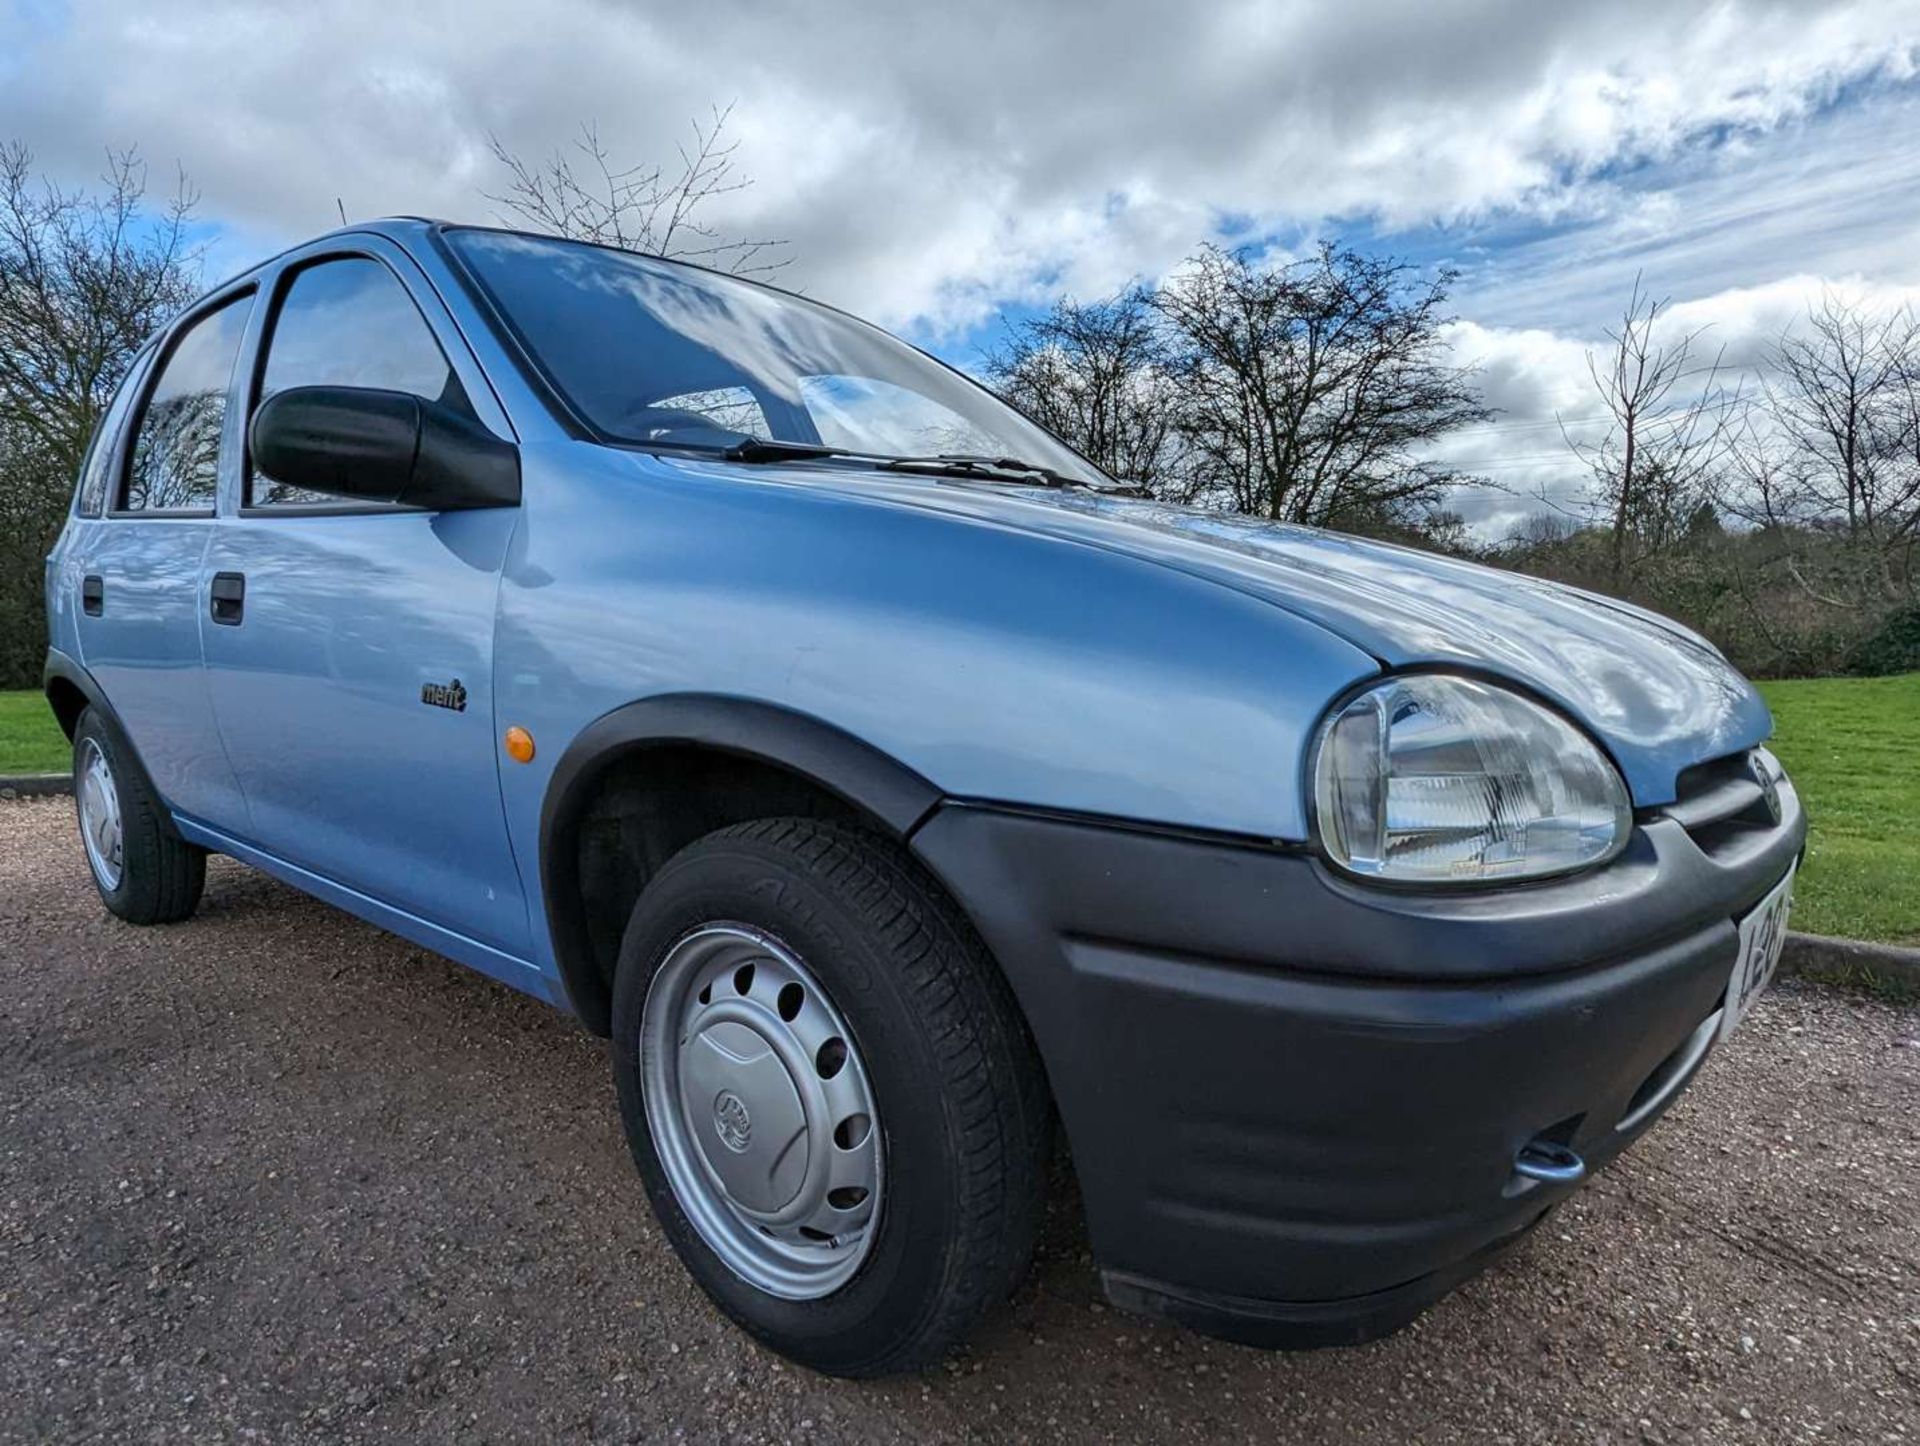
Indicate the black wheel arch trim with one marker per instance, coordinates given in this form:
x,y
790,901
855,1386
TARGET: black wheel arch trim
x,y
62,668
874,782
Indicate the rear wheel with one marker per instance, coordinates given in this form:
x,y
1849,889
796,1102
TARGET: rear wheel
x,y
145,872
830,1094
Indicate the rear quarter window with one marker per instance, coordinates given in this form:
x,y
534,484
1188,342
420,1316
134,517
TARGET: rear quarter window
x,y
175,462
96,472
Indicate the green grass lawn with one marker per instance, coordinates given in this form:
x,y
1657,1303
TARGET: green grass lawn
x,y
30,741
1853,748
1851,744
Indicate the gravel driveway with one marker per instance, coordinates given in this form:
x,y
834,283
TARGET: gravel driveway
x,y
273,1175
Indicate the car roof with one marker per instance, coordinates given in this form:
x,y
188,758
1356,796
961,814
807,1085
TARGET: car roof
x,y
411,229
393,228
404,229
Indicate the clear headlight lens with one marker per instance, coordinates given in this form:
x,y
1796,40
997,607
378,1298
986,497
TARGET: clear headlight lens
x,y
1438,779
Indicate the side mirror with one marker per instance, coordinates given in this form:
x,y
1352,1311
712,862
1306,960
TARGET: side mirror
x,y
377,446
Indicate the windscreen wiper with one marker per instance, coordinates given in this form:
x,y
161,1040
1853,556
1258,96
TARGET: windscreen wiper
x,y
951,464
766,449
969,464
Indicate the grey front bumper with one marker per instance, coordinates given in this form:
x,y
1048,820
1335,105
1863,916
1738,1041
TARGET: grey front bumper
x,y
1294,1102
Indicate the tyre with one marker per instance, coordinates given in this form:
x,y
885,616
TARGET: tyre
x,y
831,1096
146,873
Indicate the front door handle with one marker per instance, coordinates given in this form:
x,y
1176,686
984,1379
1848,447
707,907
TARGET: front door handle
x,y
93,594
229,598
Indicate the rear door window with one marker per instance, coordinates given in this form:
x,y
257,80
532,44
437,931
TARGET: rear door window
x,y
175,466
348,322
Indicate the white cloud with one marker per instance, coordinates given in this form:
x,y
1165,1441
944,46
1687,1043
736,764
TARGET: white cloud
x,y
929,163
933,165
1740,324
1837,196
1540,382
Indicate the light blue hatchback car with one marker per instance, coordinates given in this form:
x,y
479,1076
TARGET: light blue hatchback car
x,y
891,787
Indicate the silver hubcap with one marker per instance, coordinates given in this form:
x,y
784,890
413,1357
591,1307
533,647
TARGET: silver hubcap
x,y
100,816
761,1111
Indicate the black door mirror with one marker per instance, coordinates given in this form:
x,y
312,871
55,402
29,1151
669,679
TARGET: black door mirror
x,y
365,445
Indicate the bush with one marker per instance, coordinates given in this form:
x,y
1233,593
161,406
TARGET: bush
x,y
33,505
1780,602
1893,647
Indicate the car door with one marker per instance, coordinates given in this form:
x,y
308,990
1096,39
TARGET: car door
x,y
350,647
137,566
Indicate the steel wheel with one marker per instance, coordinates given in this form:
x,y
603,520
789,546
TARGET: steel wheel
x,y
100,823
761,1111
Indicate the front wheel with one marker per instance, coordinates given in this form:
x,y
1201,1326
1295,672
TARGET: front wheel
x,y
830,1094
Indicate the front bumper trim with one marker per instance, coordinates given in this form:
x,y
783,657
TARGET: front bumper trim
x,y
1302,1325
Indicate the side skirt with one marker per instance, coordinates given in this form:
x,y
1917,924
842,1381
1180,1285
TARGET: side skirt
x,y
515,972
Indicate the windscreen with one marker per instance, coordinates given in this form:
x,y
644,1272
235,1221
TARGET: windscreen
x,y
649,351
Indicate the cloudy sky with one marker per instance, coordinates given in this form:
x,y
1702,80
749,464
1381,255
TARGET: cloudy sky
x,y
943,168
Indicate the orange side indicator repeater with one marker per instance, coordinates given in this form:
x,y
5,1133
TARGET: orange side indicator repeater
x,y
519,744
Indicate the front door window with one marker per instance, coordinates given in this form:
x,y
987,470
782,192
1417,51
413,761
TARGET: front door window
x,y
349,323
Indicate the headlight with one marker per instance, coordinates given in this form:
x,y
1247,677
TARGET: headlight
x,y
1437,779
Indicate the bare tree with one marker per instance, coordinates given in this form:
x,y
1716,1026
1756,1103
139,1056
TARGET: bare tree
x,y
1760,487
1671,422
589,196
1846,403
1312,389
85,278
1539,530
1100,375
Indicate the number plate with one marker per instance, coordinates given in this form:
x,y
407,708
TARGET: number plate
x,y
1763,934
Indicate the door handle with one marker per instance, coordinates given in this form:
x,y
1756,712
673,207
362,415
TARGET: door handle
x,y
93,594
229,598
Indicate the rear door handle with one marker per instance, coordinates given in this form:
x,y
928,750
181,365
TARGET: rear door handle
x,y
229,598
93,594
